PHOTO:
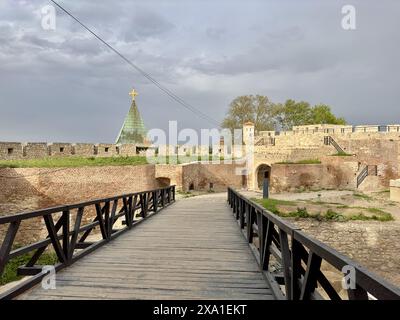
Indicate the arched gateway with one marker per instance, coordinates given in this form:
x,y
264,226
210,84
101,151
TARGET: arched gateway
x,y
263,171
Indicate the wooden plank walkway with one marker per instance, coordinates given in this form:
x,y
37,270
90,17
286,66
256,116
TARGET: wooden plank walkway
x,y
193,249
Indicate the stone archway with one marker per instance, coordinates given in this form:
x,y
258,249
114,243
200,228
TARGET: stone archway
x,y
163,182
263,171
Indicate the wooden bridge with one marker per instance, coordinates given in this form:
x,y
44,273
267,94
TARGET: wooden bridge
x,y
192,249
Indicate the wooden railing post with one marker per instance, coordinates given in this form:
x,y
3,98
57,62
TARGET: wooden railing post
x,y
75,234
286,259
296,265
162,198
250,220
267,242
107,220
54,238
65,233
310,277
155,201
242,216
145,204
7,244
239,208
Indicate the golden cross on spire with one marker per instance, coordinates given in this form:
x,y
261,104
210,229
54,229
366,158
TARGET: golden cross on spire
x,y
133,94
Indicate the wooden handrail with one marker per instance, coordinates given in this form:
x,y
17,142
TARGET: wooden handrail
x,y
69,243
271,236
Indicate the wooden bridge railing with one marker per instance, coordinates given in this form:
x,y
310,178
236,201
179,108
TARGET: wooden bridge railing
x,y
70,244
297,258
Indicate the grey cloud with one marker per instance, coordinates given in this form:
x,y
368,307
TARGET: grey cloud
x,y
261,59
293,33
215,33
144,23
65,85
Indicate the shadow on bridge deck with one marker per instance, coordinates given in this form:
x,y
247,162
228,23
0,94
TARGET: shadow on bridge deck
x,y
191,250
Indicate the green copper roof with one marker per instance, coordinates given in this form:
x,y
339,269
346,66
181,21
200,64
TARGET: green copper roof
x,y
133,129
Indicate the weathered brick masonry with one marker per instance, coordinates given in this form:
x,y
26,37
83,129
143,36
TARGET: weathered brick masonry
x,y
27,189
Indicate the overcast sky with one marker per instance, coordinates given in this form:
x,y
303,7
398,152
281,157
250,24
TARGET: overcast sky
x,y
64,85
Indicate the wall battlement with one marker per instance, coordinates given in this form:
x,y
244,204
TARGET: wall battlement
x,y
37,150
40,150
313,135
301,137
333,129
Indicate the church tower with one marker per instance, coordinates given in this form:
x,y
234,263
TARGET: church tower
x,y
248,133
133,129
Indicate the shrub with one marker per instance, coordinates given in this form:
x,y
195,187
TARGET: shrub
x,y
10,271
300,213
332,215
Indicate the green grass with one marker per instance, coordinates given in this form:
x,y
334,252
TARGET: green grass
x,y
306,161
341,154
185,194
333,216
383,216
10,271
181,159
299,213
320,202
380,215
383,191
271,204
329,215
362,196
377,214
61,162
73,162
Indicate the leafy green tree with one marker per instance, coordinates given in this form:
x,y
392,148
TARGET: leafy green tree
x,y
268,116
321,113
292,113
257,109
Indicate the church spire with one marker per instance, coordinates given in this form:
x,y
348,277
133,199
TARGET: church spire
x,y
133,130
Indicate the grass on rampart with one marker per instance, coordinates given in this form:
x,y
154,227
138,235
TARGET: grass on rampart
x,y
341,154
73,162
306,161
61,162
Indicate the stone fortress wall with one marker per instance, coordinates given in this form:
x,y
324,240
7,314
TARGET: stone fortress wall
x,y
295,144
37,150
367,145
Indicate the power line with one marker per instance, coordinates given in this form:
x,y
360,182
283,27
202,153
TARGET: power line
x,y
141,71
